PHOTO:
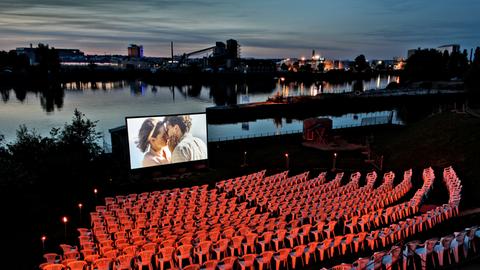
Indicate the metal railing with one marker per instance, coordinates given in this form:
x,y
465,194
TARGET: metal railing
x,y
256,135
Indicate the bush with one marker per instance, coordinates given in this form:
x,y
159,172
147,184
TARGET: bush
x,y
67,153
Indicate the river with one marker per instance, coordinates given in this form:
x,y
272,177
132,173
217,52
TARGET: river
x,y
110,102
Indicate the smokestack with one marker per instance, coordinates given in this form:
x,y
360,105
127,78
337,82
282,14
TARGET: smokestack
x,y
171,49
471,54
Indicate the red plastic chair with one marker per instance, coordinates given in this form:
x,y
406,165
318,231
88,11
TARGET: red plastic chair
x,y
304,233
324,246
111,254
68,248
236,245
210,265
310,250
130,250
54,266
297,253
281,257
72,254
279,238
265,239
77,265
184,252
247,261
203,249
52,258
227,263
150,247
265,259
220,248
102,264
165,255
317,231
250,241
144,258
124,262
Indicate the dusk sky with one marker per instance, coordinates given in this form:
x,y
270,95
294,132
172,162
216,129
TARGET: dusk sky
x,y
265,28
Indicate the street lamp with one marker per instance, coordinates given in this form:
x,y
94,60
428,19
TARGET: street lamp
x,y
95,191
334,161
65,220
286,160
43,242
80,205
245,159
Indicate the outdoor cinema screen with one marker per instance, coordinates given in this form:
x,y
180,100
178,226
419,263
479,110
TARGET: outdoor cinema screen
x,y
167,139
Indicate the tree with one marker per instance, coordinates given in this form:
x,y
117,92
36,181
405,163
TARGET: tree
x,y
360,64
306,68
10,60
321,67
48,59
425,64
476,57
457,64
79,135
472,79
30,155
68,153
284,67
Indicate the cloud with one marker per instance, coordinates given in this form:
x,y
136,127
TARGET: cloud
x,y
340,29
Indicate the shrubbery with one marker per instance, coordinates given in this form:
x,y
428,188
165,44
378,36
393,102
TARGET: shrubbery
x,y
64,157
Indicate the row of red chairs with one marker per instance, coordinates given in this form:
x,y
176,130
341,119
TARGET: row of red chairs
x,y
105,216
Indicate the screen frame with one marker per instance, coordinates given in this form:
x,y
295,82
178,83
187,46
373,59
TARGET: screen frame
x,y
183,164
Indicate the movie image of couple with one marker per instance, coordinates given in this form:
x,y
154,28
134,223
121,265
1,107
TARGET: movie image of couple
x,y
155,141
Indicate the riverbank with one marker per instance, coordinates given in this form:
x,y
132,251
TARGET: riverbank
x,y
301,107
183,76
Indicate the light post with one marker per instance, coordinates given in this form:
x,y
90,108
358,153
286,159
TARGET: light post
x,y
95,191
65,220
43,242
334,161
286,161
245,159
80,205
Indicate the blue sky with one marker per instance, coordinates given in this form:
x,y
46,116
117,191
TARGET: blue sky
x,y
265,28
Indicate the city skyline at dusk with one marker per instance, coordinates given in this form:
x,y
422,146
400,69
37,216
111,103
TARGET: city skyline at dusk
x,y
343,29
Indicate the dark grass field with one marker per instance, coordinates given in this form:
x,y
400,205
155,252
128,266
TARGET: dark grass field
x,y
438,141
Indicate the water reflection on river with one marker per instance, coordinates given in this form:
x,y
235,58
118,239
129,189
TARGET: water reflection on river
x,y
45,107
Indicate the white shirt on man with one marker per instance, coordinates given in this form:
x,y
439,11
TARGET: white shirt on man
x,y
188,149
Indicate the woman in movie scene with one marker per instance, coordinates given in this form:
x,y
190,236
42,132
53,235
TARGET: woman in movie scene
x,y
152,140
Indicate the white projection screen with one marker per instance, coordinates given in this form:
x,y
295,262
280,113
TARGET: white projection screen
x,y
166,139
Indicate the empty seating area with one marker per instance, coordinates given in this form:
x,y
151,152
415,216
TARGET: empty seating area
x,y
261,222
434,252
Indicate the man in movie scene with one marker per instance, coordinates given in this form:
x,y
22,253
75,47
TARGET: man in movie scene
x,y
183,145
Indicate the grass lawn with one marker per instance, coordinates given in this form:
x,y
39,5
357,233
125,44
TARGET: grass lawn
x,y
440,140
